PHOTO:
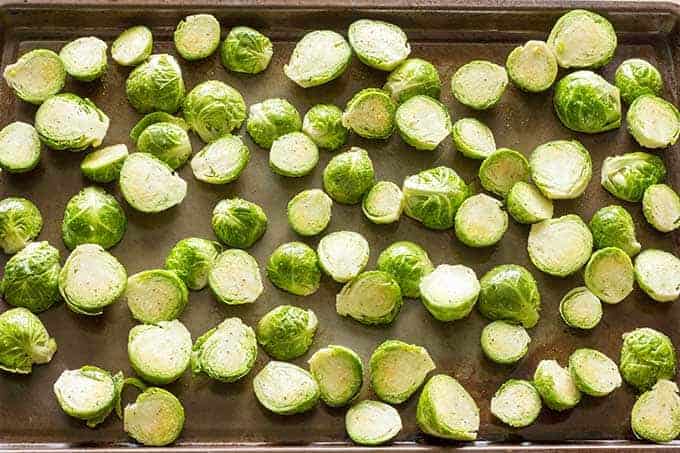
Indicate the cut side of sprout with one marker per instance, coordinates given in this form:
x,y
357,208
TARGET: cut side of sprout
x,y
104,164
285,389
556,386
658,274
656,413
339,372
582,39
36,75
85,59
516,403
560,246
372,423
609,275
197,36
653,122
293,155
380,45
446,410
155,419
133,46
19,147
221,161
159,353
318,58
479,84
398,369
526,204
532,67
423,122
156,295
473,138
235,278
149,185
504,343
581,309
343,255
309,212
502,169
384,203
561,169
480,221
661,207
449,292
372,298
594,373
370,114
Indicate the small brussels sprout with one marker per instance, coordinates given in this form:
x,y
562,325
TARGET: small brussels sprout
x,y
339,372
509,292
285,389
343,255
67,121
383,203
309,212
155,419
473,138
556,386
526,204
560,246
235,278
433,196
658,274
153,118
609,275
449,292
647,356
156,295
661,207
480,221
586,102
408,263
627,176
104,164
532,67
226,352
319,57
156,84
159,353
20,223
167,142
270,119
446,410
133,46
594,373
348,176
93,216
85,59
516,403
323,124
423,135
373,298
213,109
502,169
91,280
31,278
293,155
656,413
149,185
221,161
19,147
635,77
370,114
372,423
411,78
246,50
581,309
25,341
479,84
378,44
561,169
36,75
653,122
582,39
612,226
504,343
197,36
398,369
294,267
192,259
238,222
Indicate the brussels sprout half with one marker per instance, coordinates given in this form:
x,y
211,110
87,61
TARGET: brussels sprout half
x,y
594,373
479,84
246,50
285,389
473,138
653,122
581,309
423,122
556,386
372,423
238,223
502,169
383,203
504,343
378,44
153,118
221,161
561,169
20,223
398,369
656,413
635,77
93,216
658,274
213,109
480,221
25,341
348,176
532,67
647,356
156,418
235,278
167,142
627,176
609,275
294,155
408,263
133,46
582,39
294,267
449,292
270,119
661,207
36,75
343,255
560,246
526,204
372,298
104,164
197,36
159,353
156,295
156,84
411,78
516,403
192,259
19,147
31,277
339,372
370,114
149,185
319,57
509,292
309,212
612,226
85,59
323,124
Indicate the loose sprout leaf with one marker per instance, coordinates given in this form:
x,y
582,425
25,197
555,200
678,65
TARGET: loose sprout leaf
x,y
294,155
31,277
133,46
581,309
449,292
294,267
319,57
582,39
36,75
609,275
309,212
504,343
197,36
88,393
411,78
156,295
526,204
556,386
156,418
510,293
156,84
149,185
656,413
104,164
370,114
270,119
627,176
446,410
636,77
594,373
647,356
473,138
561,169
560,246
408,263
159,353
479,84
234,278
658,274
323,124
653,122
372,423
480,221
612,226
371,298
383,203
192,259
213,109
423,122
398,369
20,223
343,255
93,216
502,169
532,66
25,341
516,403
85,59
238,223
348,176
221,161
285,389
378,44
246,50
339,373
20,147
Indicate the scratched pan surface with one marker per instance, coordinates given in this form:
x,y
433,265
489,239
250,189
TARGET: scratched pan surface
x,y
220,416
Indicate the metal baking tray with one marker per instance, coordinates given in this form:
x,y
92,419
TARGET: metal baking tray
x,y
226,417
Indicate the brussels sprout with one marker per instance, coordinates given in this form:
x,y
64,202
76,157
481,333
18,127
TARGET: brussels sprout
x,y
226,352
609,275
192,259
411,78
343,255
93,216
627,176
149,185
585,102
446,410
88,393
270,119
582,39
294,267
319,57
647,356
133,46
159,353
372,423
480,221
479,84
383,203
19,147
509,292
449,292
246,50
656,413
581,309
91,280
339,372
36,75
85,58
104,164
235,278
156,84
658,274
20,223
213,109
473,138
370,114
197,36
221,161
323,124
526,204
423,122
156,295
285,389
380,45
532,67
24,340
309,212
612,226
635,77
594,373
561,169
560,246
433,196
516,403
661,207
408,263
348,176
373,298
238,223
502,169
31,277
156,418
504,343
556,386
653,122
67,121
153,118
166,141
294,155
398,369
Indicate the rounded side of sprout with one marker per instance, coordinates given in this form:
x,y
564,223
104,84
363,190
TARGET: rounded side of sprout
x,y
532,67
449,292
647,355
372,423
159,353
285,389
370,114
661,207
156,84
479,84
319,57
343,255
309,212
197,36
627,176
133,46
383,203
246,50
582,39
323,124
153,118
88,393
609,275
167,142
408,263
213,109
372,298
502,169
561,169
36,75
411,78
656,413
20,223
270,119
19,147
473,139
526,204
504,343
594,373
235,278
516,403
93,216
339,372
294,267
26,341
560,246
581,309
480,221
658,274
293,155
423,122
378,44
612,226
509,292
149,185
155,419
85,59
156,295
104,164
192,259
413,363
221,161
556,386
653,122
238,223
636,77
348,176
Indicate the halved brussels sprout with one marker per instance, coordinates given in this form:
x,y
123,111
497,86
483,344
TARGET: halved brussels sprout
x,y
581,309
532,67
370,114
627,176
594,373
656,413
226,352
609,275
294,155
449,292
285,389
294,267
238,223
235,278
582,39
378,44
661,207
372,298
192,259
556,386
159,353
31,277
408,263
560,246
309,212
323,124
504,343
383,203
270,119
502,169
153,118
156,295
473,138
509,292
197,36
221,161
155,419
339,372
19,147
372,423
653,122
343,255
398,369
526,204
635,77
25,341
423,122
348,176
36,75
479,84
411,78
319,57
156,84
20,223
647,356
561,169
516,403
166,141
104,164
480,221
85,59
149,185
612,226
446,410
658,274
133,46
93,216
213,109
246,50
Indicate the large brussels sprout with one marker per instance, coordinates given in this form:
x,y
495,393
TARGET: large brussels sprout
x,y
319,57
449,292
378,44
20,223
656,413
343,255
287,332
159,353
383,203
370,114
504,343
647,355
294,267
156,418
609,275
167,142
156,295
581,309
149,185
594,373
133,46
509,293
197,36
532,67
323,124
446,410
480,221
372,423
411,78
348,176
24,340
561,169
156,84
309,212
339,372
293,155
93,216
235,278
658,274
153,118
31,277
516,403
408,263
398,369
104,164
653,122
285,389
479,84
556,386
85,59
586,102
19,147
612,226
36,75
582,39
560,246
213,109
502,169
221,161
661,207
238,222
526,204
627,176
424,135
246,50
635,77
373,298
270,119
192,259
473,138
